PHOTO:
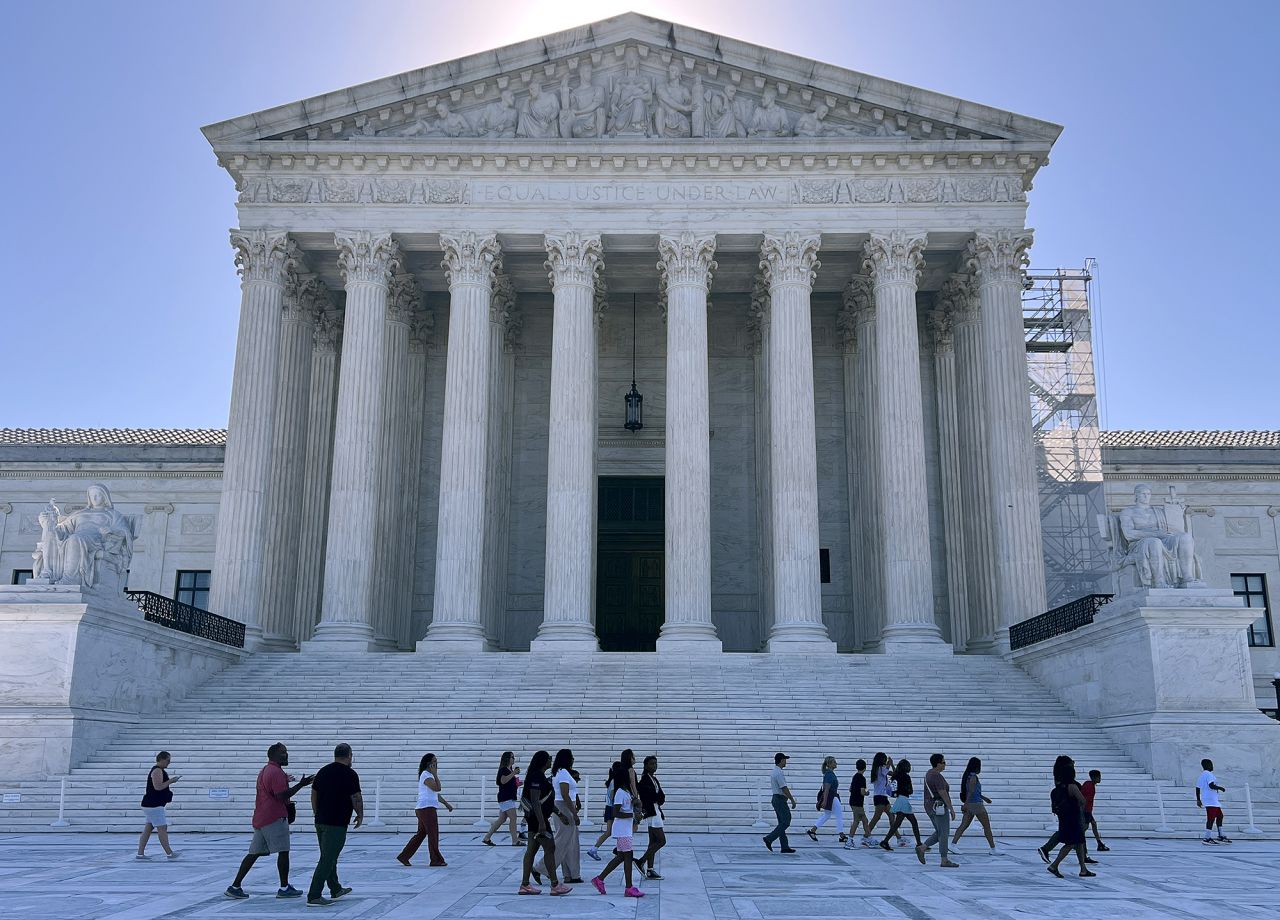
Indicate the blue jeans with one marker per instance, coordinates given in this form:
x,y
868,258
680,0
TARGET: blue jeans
x,y
784,821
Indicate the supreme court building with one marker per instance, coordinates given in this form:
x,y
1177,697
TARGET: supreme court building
x,y
453,278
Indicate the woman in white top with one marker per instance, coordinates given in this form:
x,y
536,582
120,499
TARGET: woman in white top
x,y
429,799
623,833
568,853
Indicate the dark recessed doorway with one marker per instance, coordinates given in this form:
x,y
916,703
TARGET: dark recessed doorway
x,y
630,596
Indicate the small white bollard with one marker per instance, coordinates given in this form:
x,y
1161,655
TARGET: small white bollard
x,y
377,805
1248,804
481,823
62,802
586,805
1164,827
760,821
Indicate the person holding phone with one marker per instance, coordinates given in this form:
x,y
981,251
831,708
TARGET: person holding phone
x,y
157,796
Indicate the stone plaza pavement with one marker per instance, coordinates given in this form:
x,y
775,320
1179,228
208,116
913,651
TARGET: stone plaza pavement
x,y
94,876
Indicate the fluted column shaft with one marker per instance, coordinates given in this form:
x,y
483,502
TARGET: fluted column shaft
x,y
862,458
314,503
240,543
686,267
568,618
457,618
944,364
367,261
388,562
288,465
758,323
894,261
789,261
498,489
997,259
975,493
407,544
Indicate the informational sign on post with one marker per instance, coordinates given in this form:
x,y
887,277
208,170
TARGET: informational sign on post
x,y
219,792
12,797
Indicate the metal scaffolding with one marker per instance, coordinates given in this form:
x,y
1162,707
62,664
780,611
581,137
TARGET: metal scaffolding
x,y
1064,411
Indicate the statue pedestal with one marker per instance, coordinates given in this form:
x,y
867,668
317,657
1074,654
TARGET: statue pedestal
x,y
1166,672
78,666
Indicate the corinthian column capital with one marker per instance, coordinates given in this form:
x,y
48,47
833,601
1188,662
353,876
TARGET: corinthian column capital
x,y
687,258
941,328
573,258
959,297
470,257
327,336
859,307
366,256
998,256
263,255
790,258
403,298
895,257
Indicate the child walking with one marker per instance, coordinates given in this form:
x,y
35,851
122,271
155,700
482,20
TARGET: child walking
x,y
1090,789
623,829
857,807
1207,790
901,808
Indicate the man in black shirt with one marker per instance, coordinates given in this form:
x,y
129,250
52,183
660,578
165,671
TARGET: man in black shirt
x,y
335,795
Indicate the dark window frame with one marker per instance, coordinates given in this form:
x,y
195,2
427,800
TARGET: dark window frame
x,y
194,594
1257,639
18,573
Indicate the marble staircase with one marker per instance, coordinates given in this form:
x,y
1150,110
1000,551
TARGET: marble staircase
x,y
715,722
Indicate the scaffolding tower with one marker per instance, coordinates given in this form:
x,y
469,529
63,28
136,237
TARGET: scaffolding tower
x,y
1064,412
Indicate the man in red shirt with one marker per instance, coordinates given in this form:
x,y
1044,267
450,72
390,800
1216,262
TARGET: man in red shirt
x,y
1089,789
271,822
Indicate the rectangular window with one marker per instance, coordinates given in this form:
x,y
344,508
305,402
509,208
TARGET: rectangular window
x,y
824,565
22,576
193,588
1253,588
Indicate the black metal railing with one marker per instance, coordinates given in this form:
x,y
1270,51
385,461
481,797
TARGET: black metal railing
x,y
1058,621
191,620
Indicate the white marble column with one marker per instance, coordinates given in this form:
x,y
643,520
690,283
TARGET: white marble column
x,y
893,260
457,620
288,462
317,467
857,327
758,327
686,266
568,617
503,325
403,300
240,543
975,492
789,261
420,328
941,328
367,260
997,259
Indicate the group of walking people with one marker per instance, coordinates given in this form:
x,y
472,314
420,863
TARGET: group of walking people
x,y
891,789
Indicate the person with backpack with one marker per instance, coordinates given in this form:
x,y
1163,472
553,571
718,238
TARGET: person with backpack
x,y
829,801
537,801
1067,802
157,796
508,781
901,809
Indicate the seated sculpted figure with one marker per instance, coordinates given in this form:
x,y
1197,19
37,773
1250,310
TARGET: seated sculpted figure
x,y
1162,554
89,547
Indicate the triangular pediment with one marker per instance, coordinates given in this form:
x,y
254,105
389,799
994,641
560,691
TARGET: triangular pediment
x,y
626,79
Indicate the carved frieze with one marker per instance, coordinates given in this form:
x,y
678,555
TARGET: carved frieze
x,y
197,523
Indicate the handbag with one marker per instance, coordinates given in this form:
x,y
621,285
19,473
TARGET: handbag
x,y
291,811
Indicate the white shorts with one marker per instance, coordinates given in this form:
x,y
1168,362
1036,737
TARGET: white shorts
x,y
656,821
156,816
504,807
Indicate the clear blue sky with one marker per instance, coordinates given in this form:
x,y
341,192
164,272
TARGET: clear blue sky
x,y
116,216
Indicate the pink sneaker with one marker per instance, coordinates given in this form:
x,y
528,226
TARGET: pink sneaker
x,y
599,883
561,888
633,892
529,889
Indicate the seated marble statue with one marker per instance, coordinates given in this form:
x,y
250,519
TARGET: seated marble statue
x,y
90,547
1164,556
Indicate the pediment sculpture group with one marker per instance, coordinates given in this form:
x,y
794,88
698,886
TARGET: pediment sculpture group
x,y
633,104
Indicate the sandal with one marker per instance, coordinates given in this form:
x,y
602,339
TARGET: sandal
x,y
1054,870
488,843
1087,874
813,834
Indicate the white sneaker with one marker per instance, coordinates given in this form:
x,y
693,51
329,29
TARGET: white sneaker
x,y
953,848
141,856
868,842
174,855
992,851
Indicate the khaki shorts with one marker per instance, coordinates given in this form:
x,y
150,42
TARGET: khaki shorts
x,y
974,808
274,838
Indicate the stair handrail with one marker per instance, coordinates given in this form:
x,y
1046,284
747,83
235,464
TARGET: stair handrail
x,y
1058,621
174,614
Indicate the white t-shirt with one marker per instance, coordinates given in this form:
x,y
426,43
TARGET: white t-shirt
x,y
427,797
564,776
622,827
777,780
1208,796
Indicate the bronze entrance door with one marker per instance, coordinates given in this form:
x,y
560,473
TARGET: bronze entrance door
x,y
629,567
